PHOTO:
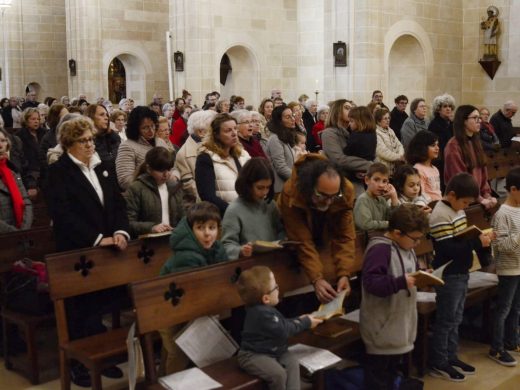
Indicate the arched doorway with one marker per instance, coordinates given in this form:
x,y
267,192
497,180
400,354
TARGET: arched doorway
x,y
242,74
126,78
406,68
116,81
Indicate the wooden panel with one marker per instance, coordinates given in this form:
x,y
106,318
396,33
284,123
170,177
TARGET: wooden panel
x,y
82,271
33,244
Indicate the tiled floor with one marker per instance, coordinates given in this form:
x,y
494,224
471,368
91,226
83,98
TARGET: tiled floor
x,y
490,375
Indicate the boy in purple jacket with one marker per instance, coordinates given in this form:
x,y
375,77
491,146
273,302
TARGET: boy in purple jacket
x,y
388,314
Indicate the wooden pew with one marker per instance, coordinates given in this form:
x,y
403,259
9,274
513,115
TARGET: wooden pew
x,y
87,270
33,244
500,162
212,290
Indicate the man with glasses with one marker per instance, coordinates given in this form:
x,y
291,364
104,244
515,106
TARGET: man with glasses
x,y
316,208
502,123
377,98
398,115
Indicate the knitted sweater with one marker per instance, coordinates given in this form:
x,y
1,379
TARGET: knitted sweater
x,y
388,149
246,222
371,213
506,247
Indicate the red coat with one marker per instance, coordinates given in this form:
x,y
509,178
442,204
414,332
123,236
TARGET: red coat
x,y
179,132
316,130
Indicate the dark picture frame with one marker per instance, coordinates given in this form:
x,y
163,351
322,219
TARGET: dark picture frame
x,y
178,59
339,51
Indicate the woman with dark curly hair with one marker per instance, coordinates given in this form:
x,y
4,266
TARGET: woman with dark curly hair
x,y
280,145
142,122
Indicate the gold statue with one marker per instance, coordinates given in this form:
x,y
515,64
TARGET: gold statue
x,y
491,28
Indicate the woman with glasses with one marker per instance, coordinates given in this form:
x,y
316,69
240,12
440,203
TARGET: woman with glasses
x,y
416,122
280,145
245,127
464,152
141,126
87,210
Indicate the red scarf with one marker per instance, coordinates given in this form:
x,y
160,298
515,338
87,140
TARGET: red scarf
x,y
8,178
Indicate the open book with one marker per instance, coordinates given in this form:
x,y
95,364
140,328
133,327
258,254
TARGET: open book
x,y
426,279
331,309
471,232
152,235
268,246
192,378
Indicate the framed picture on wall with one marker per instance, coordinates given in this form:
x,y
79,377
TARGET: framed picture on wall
x,y
340,53
178,58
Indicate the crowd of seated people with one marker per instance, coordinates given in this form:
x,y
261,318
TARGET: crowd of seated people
x,y
300,171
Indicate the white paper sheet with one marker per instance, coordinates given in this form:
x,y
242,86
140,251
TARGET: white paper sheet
x,y
191,379
423,296
312,358
205,342
352,316
482,279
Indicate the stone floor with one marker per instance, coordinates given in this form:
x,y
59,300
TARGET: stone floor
x,y
490,376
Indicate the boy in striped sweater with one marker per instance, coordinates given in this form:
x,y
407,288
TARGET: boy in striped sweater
x,y
447,219
506,225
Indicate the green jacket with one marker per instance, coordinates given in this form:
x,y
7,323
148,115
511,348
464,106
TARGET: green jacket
x,y
188,253
144,204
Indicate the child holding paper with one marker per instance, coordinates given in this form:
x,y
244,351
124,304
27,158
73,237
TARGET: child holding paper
x,y
263,351
388,313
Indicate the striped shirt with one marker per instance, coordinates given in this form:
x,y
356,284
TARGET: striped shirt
x,y
446,222
506,247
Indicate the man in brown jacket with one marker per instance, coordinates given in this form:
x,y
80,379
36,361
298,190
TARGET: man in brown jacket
x,y
316,207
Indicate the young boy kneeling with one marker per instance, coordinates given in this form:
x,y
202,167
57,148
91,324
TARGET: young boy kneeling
x,y
388,313
263,351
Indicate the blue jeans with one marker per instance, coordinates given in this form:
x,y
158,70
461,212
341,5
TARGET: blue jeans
x,y
450,310
507,312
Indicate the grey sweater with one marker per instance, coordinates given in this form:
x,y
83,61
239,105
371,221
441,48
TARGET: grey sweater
x,y
371,213
245,222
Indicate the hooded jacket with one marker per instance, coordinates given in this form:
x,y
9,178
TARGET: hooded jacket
x,y
339,231
188,253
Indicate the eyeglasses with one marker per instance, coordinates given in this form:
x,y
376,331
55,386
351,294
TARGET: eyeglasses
x,y
475,117
414,239
276,287
246,123
324,197
84,141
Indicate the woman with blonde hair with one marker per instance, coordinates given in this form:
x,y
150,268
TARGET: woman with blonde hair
x,y
219,162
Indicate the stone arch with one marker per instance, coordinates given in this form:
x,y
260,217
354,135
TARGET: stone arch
x,y
407,45
244,77
137,68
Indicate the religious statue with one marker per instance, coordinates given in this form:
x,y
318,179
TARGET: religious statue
x,y
491,27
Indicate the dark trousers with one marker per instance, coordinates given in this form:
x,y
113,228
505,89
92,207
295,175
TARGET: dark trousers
x,y
381,371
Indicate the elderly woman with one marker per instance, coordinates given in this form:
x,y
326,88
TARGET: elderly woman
x,y
118,118
319,126
416,122
246,136
280,145
53,154
198,124
223,105
163,132
443,107
107,141
167,110
142,123
389,149
44,111
87,210
488,137
260,130
297,111
221,158
31,135
125,105
16,212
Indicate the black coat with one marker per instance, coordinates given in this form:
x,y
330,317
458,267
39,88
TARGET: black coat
x,y
31,151
77,213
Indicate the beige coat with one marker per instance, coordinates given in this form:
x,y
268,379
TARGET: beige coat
x,y
185,164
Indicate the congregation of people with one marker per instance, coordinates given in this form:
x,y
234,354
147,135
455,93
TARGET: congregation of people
x,y
225,175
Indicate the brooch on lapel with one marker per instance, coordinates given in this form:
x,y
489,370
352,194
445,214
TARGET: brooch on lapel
x,y
105,173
